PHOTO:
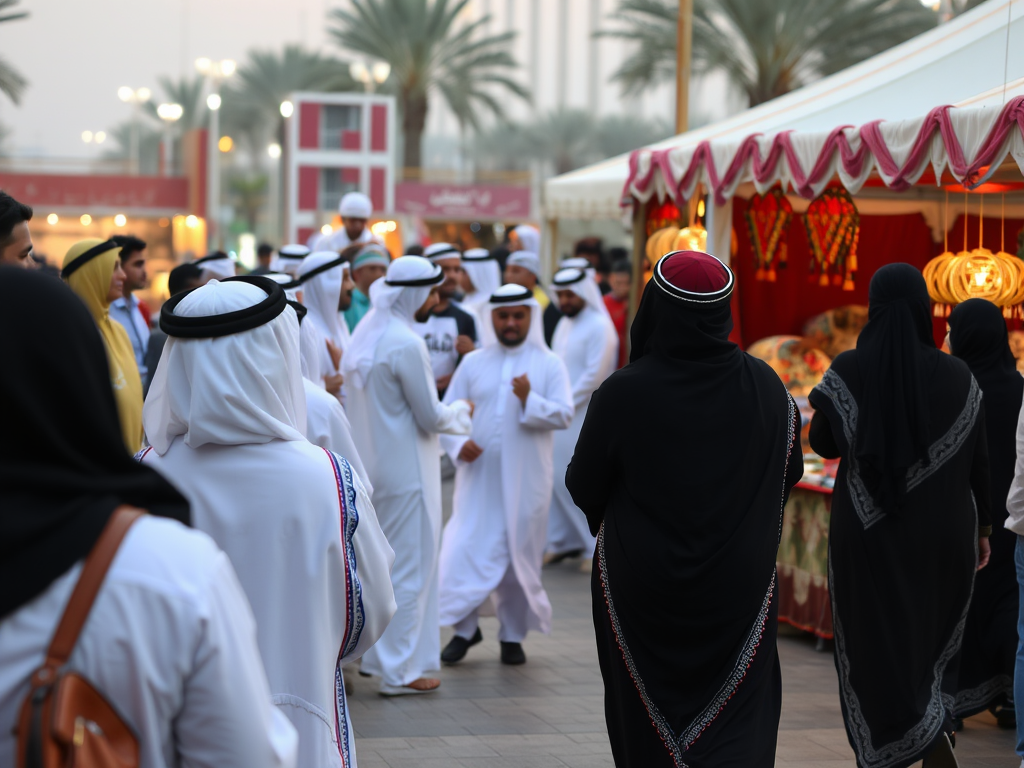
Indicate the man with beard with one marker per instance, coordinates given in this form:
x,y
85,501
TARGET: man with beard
x,y
396,417
450,331
586,342
355,210
494,541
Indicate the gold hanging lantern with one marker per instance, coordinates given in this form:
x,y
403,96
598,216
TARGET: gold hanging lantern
x,y
976,274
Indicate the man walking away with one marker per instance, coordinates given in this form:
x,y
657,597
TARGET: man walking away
x,y
396,418
585,341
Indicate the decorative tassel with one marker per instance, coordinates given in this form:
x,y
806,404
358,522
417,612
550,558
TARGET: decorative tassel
x,y
771,275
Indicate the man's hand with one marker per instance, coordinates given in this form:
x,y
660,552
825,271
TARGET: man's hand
x,y
984,552
470,452
464,345
335,354
443,382
521,388
333,383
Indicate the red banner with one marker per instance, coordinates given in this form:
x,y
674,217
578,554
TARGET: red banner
x,y
97,192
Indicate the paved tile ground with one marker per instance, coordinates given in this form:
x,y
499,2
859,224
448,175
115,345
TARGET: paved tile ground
x,y
548,713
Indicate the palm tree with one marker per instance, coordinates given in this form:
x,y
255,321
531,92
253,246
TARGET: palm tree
x,y
765,48
188,92
11,80
252,100
430,52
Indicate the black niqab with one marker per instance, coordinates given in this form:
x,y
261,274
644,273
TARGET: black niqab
x,y
63,466
893,428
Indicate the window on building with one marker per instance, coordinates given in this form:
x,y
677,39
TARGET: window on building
x,y
334,184
341,126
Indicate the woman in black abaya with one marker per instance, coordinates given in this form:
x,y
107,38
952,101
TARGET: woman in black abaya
x,y
909,513
683,466
63,467
977,335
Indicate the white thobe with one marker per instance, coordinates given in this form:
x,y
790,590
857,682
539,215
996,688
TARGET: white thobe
x,y
328,426
395,420
494,541
171,642
338,240
303,536
589,346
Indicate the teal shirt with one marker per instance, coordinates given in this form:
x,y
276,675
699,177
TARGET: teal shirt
x,y
360,306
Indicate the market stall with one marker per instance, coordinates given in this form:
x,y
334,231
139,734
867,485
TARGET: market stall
x,y
809,194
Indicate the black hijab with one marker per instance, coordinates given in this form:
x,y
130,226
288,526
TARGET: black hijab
x,y
63,466
977,335
892,354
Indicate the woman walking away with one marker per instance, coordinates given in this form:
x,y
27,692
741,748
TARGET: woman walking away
x,y
977,335
910,515
684,576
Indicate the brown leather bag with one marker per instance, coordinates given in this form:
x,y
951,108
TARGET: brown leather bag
x,y
65,722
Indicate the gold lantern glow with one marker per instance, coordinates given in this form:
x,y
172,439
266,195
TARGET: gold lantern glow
x,y
976,274
668,239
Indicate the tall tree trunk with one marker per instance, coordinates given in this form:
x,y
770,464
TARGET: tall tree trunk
x,y
414,120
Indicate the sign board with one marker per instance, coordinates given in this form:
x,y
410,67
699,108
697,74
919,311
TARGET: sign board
x,y
476,202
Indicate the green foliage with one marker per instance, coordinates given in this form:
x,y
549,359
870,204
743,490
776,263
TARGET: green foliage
x,y
431,51
12,82
765,48
564,139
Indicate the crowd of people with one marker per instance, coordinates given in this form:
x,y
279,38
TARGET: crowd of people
x,y
288,428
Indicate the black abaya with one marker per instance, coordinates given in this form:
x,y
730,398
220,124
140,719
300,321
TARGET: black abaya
x,y
63,467
978,337
903,536
688,520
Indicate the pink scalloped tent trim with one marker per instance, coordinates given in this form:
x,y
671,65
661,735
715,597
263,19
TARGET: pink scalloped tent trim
x,y
764,172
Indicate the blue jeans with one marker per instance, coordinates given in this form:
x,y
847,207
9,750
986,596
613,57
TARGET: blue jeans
x,y
1018,670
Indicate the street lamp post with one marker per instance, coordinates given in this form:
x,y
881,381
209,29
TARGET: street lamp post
x,y
170,114
214,72
369,75
136,97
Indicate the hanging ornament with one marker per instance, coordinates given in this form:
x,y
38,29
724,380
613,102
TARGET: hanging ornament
x,y
768,218
662,215
833,229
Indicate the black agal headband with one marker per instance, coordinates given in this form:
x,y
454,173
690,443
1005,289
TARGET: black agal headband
x,y
88,256
215,326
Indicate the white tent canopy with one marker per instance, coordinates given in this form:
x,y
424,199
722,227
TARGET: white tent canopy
x,y
804,138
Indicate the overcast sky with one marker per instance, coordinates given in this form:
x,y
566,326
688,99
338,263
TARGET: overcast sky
x,y
77,53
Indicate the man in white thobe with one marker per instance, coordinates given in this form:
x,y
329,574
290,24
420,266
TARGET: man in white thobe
x,y
225,418
289,258
355,210
481,276
495,539
586,341
326,422
396,417
326,289
216,266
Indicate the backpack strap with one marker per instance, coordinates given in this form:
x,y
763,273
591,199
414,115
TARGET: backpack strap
x,y
95,570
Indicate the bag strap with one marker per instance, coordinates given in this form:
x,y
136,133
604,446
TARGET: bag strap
x,y
95,570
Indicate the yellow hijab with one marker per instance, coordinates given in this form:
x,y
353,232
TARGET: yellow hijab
x,y
91,281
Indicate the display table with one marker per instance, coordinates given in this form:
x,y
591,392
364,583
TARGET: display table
x,y
802,562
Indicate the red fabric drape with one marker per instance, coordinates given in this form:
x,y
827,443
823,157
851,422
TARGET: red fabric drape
x,y
990,235
782,307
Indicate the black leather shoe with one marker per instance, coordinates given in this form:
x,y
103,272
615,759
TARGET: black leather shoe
x,y
455,651
512,653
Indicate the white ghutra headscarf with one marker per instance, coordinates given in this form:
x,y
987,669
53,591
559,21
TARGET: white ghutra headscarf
x,y
582,283
512,295
395,297
243,387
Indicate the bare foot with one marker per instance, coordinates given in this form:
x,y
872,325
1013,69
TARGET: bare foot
x,y
424,684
